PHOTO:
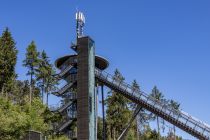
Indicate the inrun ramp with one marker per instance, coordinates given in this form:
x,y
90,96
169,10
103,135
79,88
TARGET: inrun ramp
x,y
178,118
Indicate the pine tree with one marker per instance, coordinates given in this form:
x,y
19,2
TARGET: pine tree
x,y
133,106
31,62
158,96
118,113
8,59
44,75
136,88
175,105
143,118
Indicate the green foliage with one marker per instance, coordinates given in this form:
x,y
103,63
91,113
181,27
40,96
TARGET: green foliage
x,y
13,122
58,138
44,75
118,113
131,135
144,117
150,134
35,113
17,115
100,129
21,91
31,61
8,59
174,104
171,136
157,94
16,119
160,97
135,87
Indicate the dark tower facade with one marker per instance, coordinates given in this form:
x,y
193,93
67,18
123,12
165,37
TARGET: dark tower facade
x,y
86,96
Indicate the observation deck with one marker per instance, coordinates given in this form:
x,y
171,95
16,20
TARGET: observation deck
x,y
63,62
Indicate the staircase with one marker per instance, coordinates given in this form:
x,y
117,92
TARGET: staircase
x,y
64,89
63,72
60,110
178,118
64,125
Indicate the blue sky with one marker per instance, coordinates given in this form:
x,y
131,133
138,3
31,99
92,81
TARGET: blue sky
x,y
157,42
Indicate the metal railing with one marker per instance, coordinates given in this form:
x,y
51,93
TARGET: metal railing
x,y
192,125
61,109
65,88
69,61
55,107
64,125
65,122
63,72
71,95
71,77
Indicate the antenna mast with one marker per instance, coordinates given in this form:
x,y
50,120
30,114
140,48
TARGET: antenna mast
x,y
80,19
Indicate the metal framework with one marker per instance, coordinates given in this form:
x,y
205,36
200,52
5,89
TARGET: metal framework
x,y
178,118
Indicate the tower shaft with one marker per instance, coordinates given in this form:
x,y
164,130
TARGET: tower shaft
x,y
86,96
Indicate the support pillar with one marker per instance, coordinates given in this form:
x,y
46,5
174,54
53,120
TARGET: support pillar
x,y
103,113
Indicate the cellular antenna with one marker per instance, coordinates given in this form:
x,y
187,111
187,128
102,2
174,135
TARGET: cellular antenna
x,y
80,19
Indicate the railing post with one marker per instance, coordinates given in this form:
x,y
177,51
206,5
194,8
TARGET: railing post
x,y
195,126
203,130
126,88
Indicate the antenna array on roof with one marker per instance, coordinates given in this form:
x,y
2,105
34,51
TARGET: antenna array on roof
x,y
80,19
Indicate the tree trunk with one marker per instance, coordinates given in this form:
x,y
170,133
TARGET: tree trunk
x,y
137,130
42,95
6,94
2,91
47,98
43,91
174,132
158,125
111,133
30,89
114,134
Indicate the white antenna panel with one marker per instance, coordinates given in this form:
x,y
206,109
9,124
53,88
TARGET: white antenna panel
x,y
80,17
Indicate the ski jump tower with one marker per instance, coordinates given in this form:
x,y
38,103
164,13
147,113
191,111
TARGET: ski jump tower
x,y
83,72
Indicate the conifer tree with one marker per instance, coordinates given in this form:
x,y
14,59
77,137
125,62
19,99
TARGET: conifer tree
x,y
8,59
44,75
135,87
118,113
31,62
143,118
158,96
175,105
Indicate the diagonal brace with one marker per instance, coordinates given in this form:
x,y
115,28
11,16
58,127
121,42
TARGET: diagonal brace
x,y
136,112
